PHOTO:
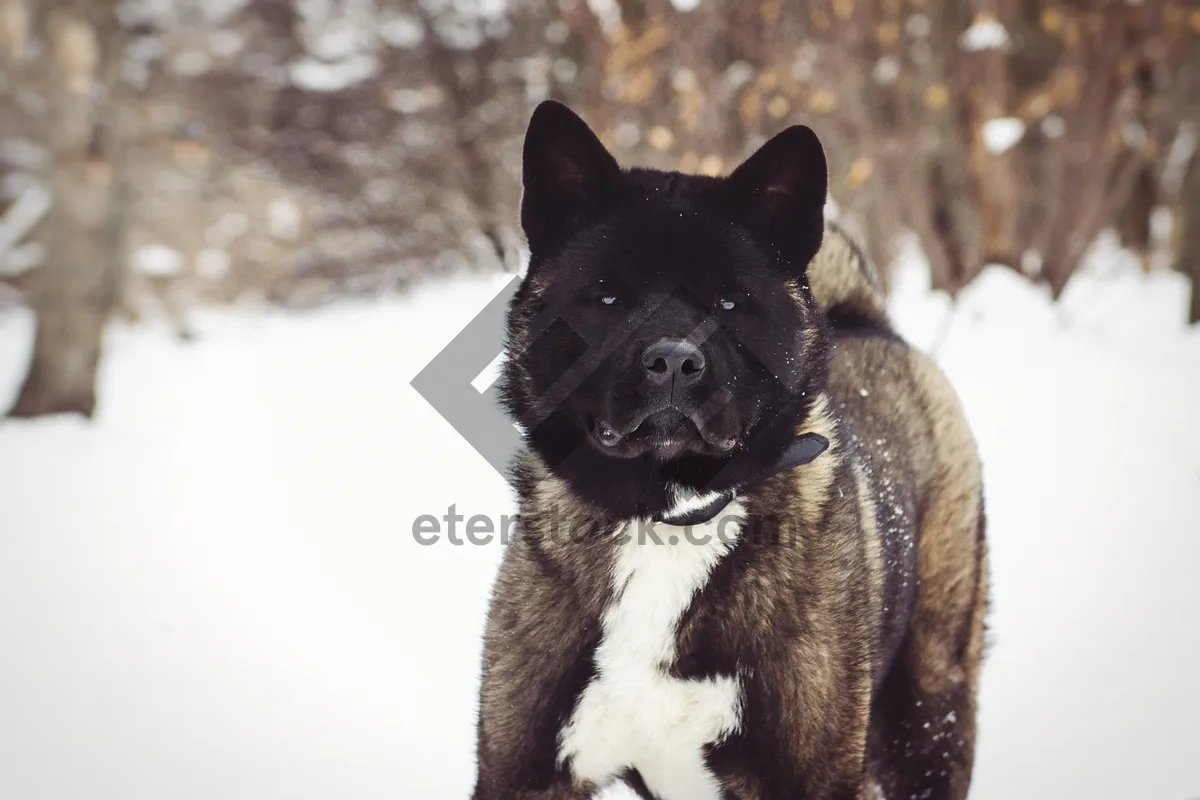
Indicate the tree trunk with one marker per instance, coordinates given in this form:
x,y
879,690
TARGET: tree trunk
x,y
79,283
1189,242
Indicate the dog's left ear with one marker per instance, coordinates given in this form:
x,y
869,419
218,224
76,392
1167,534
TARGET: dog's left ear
x,y
780,193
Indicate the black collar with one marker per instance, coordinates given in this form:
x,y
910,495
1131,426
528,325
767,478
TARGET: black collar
x,y
804,449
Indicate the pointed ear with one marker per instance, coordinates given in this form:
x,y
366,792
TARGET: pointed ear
x,y
780,193
568,176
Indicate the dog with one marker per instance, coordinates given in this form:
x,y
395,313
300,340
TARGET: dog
x,y
750,560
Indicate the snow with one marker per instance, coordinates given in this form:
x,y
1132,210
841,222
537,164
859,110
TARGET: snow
x,y
917,26
219,11
230,226
409,101
23,154
886,69
402,30
226,44
1002,133
1179,155
214,591
212,263
21,258
1053,126
191,63
158,259
31,205
283,218
319,76
985,33
628,134
608,13
336,39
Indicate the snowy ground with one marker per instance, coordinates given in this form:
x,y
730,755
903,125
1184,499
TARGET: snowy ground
x,y
213,592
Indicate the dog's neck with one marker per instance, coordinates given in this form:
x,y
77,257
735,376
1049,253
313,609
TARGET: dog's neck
x,y
696,509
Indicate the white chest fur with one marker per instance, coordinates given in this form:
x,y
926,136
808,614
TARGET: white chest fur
x,y
633,714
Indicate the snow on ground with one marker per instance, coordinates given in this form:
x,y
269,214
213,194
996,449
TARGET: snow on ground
x,y
1002,134
214,592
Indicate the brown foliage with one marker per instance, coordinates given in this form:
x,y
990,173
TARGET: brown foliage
x,y
413,166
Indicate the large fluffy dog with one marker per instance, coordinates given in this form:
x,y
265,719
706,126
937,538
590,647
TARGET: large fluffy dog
x,y
751,559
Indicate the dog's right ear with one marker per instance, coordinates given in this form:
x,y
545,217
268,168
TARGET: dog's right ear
x,y
568,176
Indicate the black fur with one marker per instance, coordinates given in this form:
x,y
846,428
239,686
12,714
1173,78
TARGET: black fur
x,y
669,248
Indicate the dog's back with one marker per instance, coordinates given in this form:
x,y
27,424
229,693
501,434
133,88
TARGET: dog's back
x,y
906,430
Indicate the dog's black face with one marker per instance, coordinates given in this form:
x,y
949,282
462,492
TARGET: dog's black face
x,y
664,333
673,320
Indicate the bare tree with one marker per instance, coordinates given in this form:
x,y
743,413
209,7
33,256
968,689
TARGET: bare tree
x,y
78,285
1189,240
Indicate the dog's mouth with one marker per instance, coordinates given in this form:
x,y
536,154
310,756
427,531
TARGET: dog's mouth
x,y
664,432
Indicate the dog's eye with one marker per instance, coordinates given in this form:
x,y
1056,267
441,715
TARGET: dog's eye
x,y
608,299
727,304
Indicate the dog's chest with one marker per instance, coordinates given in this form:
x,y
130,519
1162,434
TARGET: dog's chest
x,y
633,714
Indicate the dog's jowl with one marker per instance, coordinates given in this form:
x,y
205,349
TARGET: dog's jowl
x,y
750,561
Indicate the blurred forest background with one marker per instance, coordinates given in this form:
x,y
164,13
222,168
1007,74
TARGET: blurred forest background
x,y
157,155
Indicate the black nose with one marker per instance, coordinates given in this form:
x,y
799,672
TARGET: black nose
x,y
674,358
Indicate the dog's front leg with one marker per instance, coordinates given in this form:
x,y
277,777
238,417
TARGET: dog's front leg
x,y
806,717
536,662
526,696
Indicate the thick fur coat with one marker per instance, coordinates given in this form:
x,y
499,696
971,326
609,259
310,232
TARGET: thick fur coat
x,y
821,635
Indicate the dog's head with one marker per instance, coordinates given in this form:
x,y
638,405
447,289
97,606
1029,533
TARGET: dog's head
x,y
664,331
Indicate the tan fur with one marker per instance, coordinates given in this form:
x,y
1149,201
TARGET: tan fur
x,y
871,540
814,489
841,276
950,570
